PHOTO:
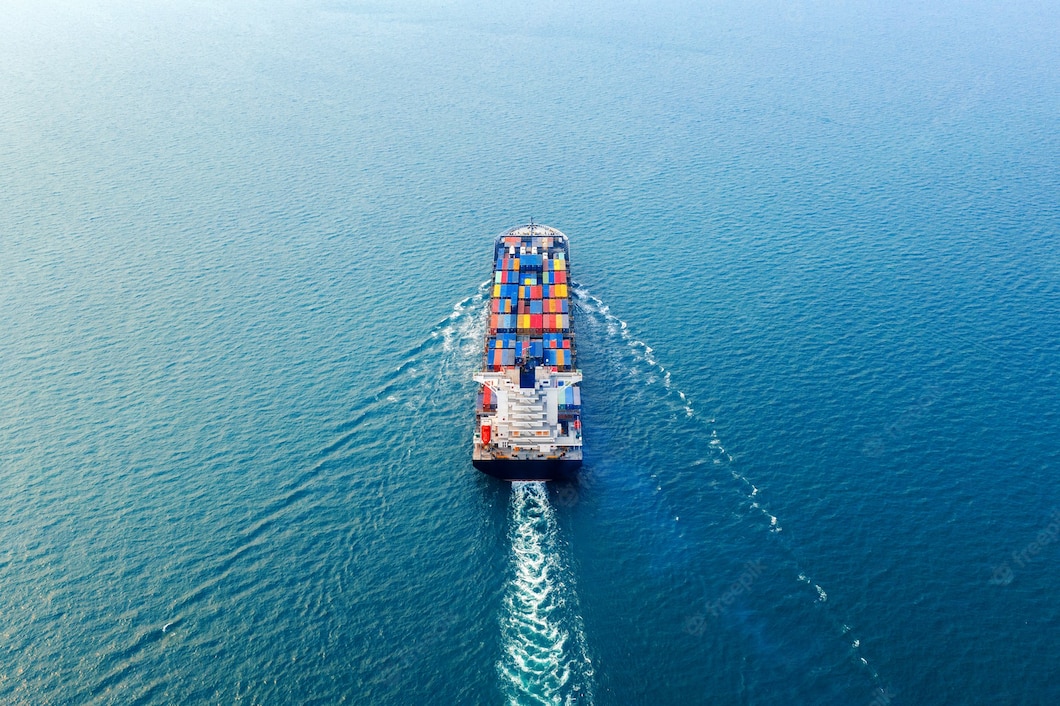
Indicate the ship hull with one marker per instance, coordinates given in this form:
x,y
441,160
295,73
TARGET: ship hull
x,y
533,469
528,409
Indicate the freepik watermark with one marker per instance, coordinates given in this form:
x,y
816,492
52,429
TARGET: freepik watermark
x,y
907,421
1003,573
697,624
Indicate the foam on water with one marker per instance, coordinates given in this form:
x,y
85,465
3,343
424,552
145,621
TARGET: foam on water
x,y
464,328
544,660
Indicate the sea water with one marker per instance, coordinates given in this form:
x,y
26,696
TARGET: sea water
x,y
243,249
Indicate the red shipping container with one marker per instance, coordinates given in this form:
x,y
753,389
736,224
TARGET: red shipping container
x,y
535,292
559,277
535,321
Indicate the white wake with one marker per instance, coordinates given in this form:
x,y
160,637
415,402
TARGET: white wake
x,y
544,660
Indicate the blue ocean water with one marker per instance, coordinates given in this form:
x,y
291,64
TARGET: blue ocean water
x,y
242,256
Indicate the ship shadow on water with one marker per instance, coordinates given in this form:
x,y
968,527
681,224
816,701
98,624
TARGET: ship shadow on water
x,y
702,533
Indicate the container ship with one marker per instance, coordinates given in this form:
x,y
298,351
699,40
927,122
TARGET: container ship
x,y
528,416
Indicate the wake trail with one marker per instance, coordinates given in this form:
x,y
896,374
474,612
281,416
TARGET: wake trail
x,y
544,659
656,373
445,355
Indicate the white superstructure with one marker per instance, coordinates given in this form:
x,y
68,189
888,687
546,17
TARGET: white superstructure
x,y
527,423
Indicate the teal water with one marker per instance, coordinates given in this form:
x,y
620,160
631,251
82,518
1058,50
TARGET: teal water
x,y
242,256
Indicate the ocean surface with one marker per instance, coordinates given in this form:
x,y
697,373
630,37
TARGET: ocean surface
x,y
243,249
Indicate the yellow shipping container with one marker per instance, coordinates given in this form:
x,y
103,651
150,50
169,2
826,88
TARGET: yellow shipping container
x,y
559,290
496,291
524,322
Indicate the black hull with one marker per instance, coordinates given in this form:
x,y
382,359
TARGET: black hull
x,y
561,469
